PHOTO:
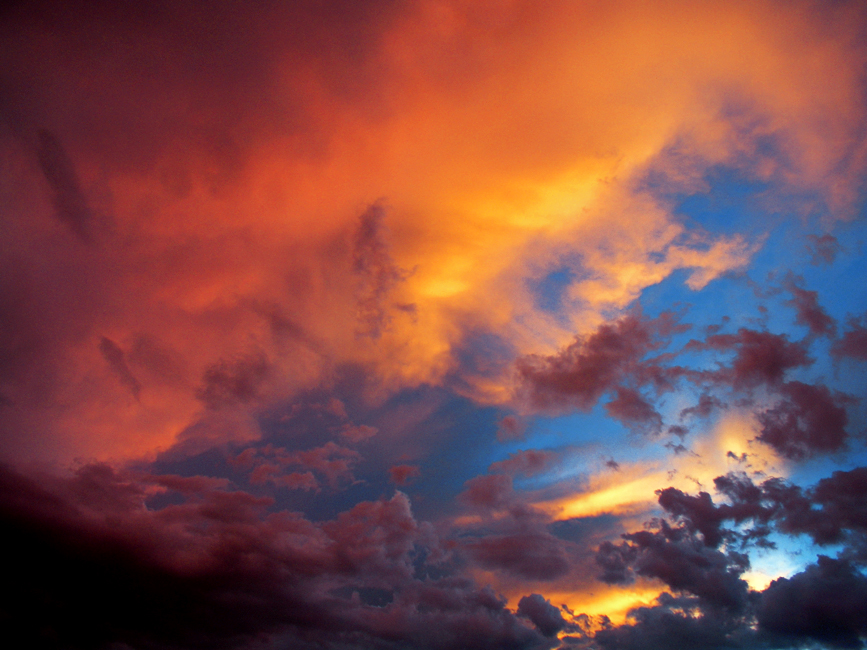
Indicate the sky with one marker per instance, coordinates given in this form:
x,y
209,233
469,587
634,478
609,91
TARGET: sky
x,y
434,324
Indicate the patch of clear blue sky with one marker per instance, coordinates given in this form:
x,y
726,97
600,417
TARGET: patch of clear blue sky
x,y
549,289
752,298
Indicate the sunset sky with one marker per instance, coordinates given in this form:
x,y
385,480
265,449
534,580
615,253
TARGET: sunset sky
x,y
434,324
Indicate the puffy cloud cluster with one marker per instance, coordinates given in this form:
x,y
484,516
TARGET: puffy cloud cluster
x,y
580,374
712,604
96,566
261,265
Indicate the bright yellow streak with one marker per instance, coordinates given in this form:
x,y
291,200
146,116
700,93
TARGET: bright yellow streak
x,y
632,489
618,499
615,604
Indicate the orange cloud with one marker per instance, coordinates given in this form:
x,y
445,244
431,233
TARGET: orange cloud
x,y
505,140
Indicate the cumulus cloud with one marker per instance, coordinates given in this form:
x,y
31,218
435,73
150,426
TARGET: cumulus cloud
x,y
591,366
823,248
403,474
231,381
530,555
713,604
544,615
528,462
826,603
853,343
682,562
808,420
632,409
761,358
809,312
160,577
269,464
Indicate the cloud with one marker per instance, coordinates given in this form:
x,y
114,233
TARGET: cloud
x,y
713,607
161,576
634,411
853,343
808,420
761,358
697,513
665,625
681,561
510,428
243,225
540,165
402,474
268,464
707,404
526,462
358,433
826,603
529,555
591,366
232,381
376,272
809,313
824,248
492,491
117,360
547,618
70,204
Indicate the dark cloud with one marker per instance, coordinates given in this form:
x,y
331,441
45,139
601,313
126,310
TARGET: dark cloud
x,y
84,70
809,312
233,381
403,474
808,420
358,432
451,614
833,512
547,618
760,357
672,623
678,430
680,560
69,201
824,248
510,428
139,590
714,608
590,367
96,568
823,604
826,603
853,343
634,411
295,469
116,359
526,462
488,492
697,512
375,270
529,555
707,404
